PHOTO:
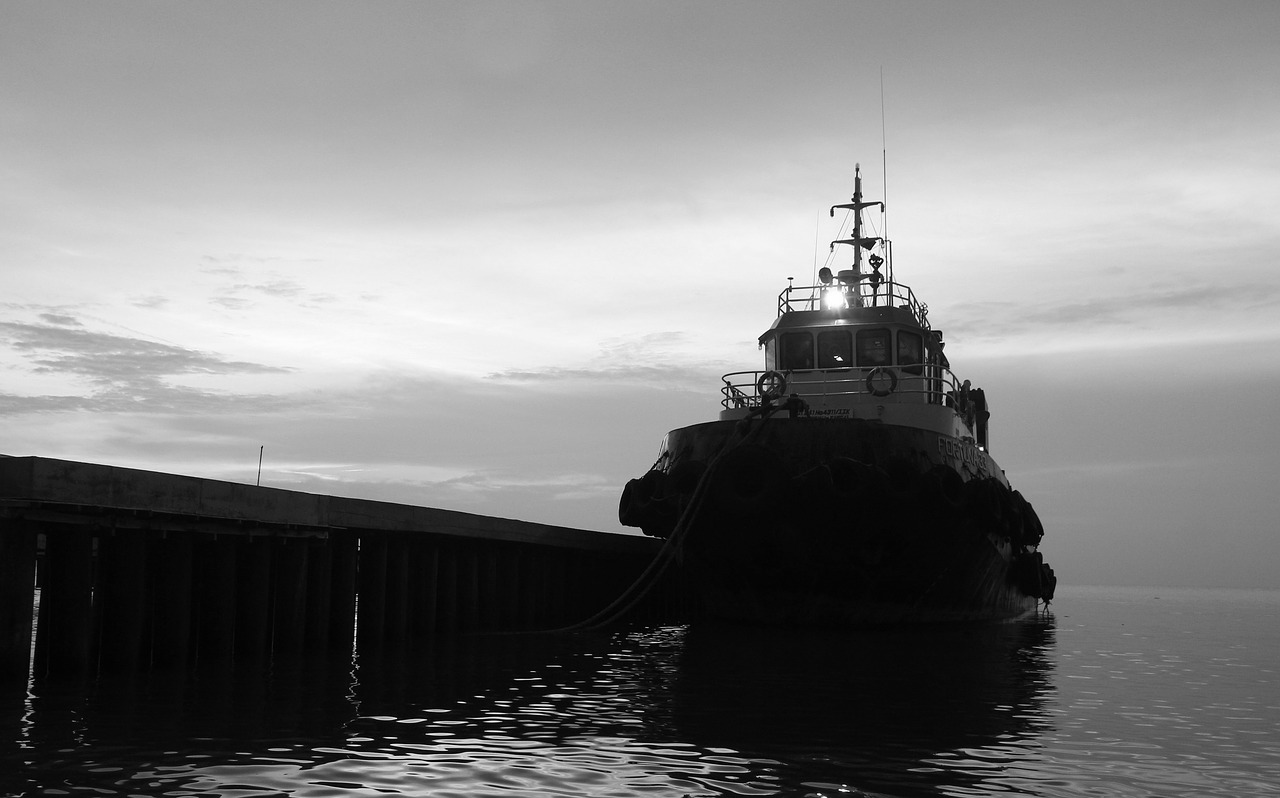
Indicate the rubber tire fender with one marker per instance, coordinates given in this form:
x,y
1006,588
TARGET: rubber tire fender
x,y
683,478
943,485
1033,529
637,505
982,502
748,482
630,507
851,479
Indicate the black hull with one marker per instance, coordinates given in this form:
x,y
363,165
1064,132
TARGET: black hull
x,y
825,522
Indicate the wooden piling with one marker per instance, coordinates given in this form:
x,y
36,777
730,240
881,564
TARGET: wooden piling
x,y
215,598
395,595
371,614
17,598
170,602
319,596
447,590
344,559
428,578
253,600
289,596
66,605
469,597
121,600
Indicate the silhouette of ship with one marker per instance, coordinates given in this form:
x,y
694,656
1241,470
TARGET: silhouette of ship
x,y
849,482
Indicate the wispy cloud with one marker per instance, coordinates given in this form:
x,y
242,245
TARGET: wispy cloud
x,y
1126,309
151,302
245,295
288,289
60,320
656,359
665,376
122,372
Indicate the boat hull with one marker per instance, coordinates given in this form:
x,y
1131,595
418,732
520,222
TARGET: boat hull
x,y
841,522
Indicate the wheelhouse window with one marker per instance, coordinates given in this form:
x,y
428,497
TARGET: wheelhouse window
x,y
873,347
797,351
910,352
835,349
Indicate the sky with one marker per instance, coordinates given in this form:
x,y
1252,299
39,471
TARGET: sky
x,y
482,256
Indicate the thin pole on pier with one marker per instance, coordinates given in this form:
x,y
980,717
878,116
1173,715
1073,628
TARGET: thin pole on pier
x,y
260,448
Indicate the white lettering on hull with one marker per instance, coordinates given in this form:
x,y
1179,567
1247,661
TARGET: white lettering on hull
x,y
964,455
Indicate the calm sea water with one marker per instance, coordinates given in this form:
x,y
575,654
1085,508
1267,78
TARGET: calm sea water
x,y
1118,692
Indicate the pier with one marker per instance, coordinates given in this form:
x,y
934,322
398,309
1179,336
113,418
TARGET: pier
x,y
135,570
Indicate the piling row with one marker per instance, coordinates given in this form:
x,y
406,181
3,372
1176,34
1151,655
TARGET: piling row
x,y
130,589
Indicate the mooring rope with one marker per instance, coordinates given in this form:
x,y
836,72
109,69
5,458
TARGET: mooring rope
x,y
671,548
645,582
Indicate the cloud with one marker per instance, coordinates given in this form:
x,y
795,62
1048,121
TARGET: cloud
x,y
242,295
60,320
151,302
687,377
231,303
1197,307
287,289
658,359
123,372
551,451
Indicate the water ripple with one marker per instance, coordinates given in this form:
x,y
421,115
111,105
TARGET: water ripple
x,y
1109,698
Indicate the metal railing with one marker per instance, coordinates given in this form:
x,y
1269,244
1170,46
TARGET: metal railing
x,y
924,384
886,293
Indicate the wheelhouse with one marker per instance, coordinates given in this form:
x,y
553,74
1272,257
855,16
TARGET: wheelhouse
x,y
857,344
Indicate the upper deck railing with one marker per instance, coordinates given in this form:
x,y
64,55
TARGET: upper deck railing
x,y
862,294
925,384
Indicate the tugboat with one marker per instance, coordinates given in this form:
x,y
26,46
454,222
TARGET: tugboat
x,y
849,482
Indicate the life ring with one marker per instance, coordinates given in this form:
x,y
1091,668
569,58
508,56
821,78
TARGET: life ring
x,y
875,384
771,385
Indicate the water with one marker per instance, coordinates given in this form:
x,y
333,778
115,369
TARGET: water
x,y
1120,692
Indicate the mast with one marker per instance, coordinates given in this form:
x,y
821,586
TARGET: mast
x,y
860,242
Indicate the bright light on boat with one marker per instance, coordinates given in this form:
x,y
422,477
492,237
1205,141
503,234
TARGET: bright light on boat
x,y
833,298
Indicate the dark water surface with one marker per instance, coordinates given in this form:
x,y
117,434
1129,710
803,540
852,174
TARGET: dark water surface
x,y
1119,692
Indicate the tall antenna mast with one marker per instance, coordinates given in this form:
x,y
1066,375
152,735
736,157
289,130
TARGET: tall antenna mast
x,y
860,242
884,181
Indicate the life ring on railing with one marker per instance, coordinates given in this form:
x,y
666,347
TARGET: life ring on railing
x,y
771,385
876,383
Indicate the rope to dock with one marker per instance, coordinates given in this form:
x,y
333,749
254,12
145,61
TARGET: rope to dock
x,y
671,548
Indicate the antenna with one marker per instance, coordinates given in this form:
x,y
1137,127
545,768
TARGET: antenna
x,y
260,450
817,230
884,178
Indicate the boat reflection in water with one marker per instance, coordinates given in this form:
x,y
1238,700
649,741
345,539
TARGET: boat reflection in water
x,y
893,711
655,711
